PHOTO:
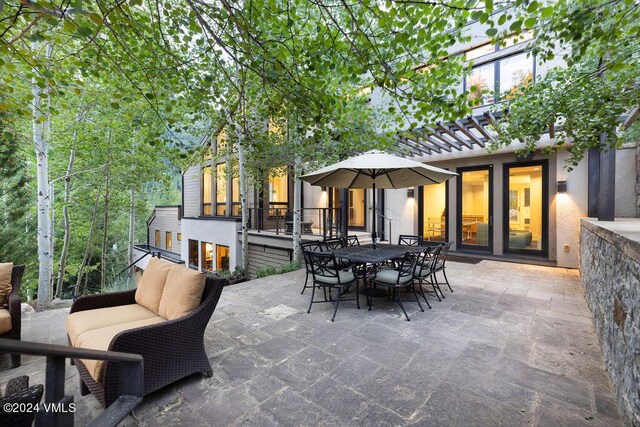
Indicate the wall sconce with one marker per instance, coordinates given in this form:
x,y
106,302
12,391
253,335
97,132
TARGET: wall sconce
x,y
324,189
410,192
562,187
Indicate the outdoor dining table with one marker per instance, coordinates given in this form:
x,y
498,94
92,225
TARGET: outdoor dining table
x,y
366,259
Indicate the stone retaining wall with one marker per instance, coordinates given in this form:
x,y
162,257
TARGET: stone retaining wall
x,y
610,273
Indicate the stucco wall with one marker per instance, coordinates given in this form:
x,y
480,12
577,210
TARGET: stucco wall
x,y
610,273
216,231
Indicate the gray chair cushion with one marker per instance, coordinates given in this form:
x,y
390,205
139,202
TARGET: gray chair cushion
x,y
346,277
390,277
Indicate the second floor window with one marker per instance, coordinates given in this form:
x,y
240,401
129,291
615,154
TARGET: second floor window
x,y
497,80
206,190
221,189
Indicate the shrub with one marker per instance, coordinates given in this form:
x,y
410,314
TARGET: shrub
x,y
238,275
280,269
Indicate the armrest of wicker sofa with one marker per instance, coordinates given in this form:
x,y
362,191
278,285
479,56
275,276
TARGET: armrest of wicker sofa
x,y
15,310
173,345
114,299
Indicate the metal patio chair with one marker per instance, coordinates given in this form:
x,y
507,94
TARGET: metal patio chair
x,y
327,276
399,278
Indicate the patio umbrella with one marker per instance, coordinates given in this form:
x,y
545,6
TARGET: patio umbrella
x,y
375,169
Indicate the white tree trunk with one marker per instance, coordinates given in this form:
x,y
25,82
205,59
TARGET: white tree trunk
x,y
297,210
243,205
41,146
67,226
132,225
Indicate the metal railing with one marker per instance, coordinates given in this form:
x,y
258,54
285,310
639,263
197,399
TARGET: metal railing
x,y
325,222
130,387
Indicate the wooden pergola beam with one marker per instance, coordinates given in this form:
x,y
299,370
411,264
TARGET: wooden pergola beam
x,y
476,124
634,114
437,134
462,128
453,135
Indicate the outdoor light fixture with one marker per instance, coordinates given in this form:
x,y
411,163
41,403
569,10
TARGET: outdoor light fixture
x,y
324,189
410,193
562,187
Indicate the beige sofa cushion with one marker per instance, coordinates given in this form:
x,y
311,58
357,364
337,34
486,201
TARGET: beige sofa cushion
x,y
6,269
5,321
100,339
83,321
182,292
152,283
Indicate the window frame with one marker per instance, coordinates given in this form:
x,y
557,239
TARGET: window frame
x,y
168,241
228,256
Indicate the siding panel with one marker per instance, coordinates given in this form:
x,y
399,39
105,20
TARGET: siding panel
x,y
191,191
265,256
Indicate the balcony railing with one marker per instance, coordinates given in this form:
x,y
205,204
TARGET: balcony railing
x,y
131,381
325,222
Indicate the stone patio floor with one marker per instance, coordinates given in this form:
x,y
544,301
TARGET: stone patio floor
x,y
513,345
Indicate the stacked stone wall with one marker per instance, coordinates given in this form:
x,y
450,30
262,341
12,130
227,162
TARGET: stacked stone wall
x,y
610,274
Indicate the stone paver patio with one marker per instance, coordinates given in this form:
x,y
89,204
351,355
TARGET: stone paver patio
x,y
513,345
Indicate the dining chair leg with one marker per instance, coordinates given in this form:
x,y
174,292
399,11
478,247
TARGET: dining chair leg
x,y
399,301
446,280
306,279
435,281
433,285
335,310
313,293
358,293
423,294
415,294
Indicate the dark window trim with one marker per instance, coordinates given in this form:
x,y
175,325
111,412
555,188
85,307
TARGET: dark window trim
x,y
544,252
473,248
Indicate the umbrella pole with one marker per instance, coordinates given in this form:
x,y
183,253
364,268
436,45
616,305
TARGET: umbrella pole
x,y
373,227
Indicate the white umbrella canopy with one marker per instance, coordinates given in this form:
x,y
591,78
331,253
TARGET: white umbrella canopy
x,y
375,169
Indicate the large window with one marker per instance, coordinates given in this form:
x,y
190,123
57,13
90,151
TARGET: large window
x,y
515,71
193,254
474,195
525,208
206,254
221,189
235,192
279,188
206,190
434,212
497,80
222,257
167,240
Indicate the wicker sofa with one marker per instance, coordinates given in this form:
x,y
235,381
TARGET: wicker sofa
x,y
11,316
146,321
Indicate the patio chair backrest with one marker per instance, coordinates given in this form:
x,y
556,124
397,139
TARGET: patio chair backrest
x,y
436,254
424,263
406,267
353,241
308,247
323,264
444,252
334,243
409,240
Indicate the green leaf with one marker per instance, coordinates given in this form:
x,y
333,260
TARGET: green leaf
x,y
530,22
546,12
516,26
84,31
491,32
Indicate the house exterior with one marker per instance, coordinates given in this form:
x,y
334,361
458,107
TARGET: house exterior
x,y
499,205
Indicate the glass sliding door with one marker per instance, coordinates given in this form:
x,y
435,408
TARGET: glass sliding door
x,y
357,208
433,200
525,208
474,218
